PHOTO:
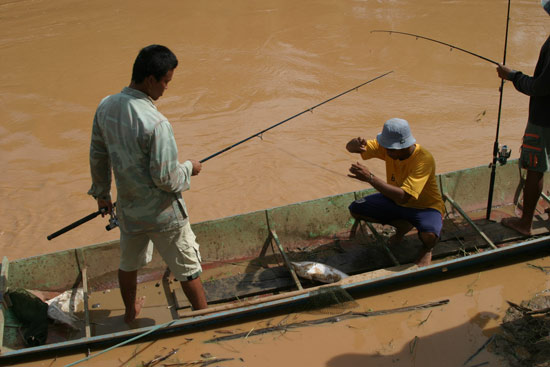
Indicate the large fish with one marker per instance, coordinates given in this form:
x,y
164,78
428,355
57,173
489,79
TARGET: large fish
x,y
317,271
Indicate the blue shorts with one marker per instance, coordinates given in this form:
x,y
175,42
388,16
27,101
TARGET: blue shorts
x,y
384,210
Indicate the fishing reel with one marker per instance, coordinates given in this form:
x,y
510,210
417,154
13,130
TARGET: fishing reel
x,y
113,221
503,154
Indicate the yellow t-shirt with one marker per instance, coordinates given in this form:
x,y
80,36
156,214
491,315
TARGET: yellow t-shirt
x,y
415,175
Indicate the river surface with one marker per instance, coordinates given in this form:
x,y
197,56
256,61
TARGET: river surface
x,y
244,66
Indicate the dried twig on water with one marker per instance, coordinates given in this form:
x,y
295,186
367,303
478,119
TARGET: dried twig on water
x,y
53,361
545,269
201,363
426,319
538,312
251,330
479,350
156,360
136,352
528,311
332,319
412,345
523,310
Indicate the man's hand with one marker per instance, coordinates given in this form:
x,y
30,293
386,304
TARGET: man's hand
x,y
197,166
107,204
357,145
505,72
361,173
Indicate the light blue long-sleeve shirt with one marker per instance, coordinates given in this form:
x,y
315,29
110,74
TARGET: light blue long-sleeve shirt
x,y
131,137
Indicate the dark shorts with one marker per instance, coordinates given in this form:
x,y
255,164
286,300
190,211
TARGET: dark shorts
x,y
384,210
535,150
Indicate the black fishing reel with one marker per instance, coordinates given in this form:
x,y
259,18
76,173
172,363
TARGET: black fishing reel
x,y
500,156
503,154
113,221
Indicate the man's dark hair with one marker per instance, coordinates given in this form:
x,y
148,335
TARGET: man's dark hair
x,y
155,60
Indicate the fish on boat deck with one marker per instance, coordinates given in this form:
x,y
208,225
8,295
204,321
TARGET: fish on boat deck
x,y
317,271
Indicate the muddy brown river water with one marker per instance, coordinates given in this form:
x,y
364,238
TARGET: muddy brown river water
x,y
246,65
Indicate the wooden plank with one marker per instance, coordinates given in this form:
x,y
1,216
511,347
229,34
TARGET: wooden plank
x,y
377,274
84,273
285,259
180,300
469,220
86,309
171,299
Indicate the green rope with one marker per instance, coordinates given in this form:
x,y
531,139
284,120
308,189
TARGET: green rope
x,y
123,343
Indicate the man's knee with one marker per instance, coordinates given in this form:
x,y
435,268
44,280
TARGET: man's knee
x,y
429,239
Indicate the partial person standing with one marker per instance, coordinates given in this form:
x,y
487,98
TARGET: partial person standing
x,y
409,197
134,140
535,150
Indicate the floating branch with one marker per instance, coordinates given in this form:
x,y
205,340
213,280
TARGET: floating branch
x,y
332,319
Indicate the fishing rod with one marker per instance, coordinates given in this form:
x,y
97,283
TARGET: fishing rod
x,y
292,117
440,42
113,222
498,156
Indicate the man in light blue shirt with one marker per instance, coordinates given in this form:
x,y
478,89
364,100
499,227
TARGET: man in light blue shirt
x,y
134,140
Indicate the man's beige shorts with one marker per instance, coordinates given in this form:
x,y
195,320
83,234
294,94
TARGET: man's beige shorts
x,y
177,247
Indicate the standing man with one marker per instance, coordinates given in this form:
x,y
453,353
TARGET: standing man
x,y
410,196
535,150
131,137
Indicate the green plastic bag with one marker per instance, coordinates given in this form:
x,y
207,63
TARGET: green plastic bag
x,y
32,312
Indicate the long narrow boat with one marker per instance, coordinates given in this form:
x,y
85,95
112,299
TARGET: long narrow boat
x,y
248,258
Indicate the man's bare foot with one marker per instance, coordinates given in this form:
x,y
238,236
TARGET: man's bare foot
x,y
425,258
132,314
517,225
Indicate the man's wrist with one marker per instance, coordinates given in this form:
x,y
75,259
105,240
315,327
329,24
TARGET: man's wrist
x,y
371,178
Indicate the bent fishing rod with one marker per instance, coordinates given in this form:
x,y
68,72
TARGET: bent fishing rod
x,y
498,155
113,222
292,117
436,41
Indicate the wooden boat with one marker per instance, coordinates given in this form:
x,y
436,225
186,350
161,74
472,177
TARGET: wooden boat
x,y
247,270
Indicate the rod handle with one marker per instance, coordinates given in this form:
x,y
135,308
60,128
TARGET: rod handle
x,y
75,224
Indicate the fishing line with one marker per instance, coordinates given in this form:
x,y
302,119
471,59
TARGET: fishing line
x,y
295,156
436,41
496,145
113,222
292,117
